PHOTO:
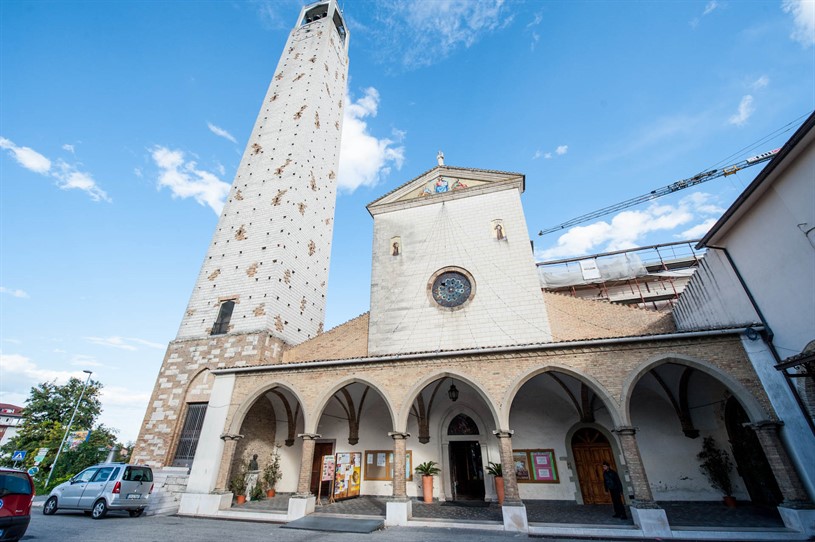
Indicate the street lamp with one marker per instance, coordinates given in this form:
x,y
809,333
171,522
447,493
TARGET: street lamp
x,y
54,464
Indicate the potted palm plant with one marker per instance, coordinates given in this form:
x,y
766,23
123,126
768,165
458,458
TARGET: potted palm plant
x,y
238,486
716,465
272,474
496,470
427,469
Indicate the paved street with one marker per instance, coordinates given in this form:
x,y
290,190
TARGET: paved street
x,y
76,527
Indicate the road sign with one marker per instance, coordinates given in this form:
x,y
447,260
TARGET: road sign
x,y
33,470
40,456
18,455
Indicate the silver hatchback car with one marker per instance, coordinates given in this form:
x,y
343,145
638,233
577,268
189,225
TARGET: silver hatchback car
x,y
97,489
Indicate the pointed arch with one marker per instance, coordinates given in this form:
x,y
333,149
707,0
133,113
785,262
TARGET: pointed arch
x,y
755,411
405,408
234,424
314,419
593,384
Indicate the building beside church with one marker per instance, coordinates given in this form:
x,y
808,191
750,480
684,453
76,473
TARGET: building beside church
x,y
462,359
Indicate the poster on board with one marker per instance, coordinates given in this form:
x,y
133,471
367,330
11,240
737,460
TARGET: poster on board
x,y
328,468
544,466
347,475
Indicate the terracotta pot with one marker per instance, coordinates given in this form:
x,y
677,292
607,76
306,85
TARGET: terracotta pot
x,y
240,499
499,488
730,501
427,488
270,493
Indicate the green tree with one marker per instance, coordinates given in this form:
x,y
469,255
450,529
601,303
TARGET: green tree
x,y
47,412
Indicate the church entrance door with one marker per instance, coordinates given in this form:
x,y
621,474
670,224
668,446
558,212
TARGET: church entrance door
x,y
466,470
320,449
590,449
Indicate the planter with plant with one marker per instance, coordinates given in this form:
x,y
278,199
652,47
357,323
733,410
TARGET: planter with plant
x,y
716,466
496,470
238,486
272,474
427,469
257,493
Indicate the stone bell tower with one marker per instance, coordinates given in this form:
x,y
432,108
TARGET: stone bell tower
x,y
264,278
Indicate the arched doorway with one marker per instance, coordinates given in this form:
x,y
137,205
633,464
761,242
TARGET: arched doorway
x,y
590,448
751,463
466,466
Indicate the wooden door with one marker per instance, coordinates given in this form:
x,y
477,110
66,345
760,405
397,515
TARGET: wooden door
x,y
590,449
320,449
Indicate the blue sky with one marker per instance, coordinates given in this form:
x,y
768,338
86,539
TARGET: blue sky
x,y
122,125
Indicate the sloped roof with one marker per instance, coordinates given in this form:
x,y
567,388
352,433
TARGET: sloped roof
x,y
571,319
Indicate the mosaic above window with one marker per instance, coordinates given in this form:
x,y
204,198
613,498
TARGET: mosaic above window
x,y
462,425
441,185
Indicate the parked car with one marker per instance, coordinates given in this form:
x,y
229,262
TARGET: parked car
x,y
16,496
98,489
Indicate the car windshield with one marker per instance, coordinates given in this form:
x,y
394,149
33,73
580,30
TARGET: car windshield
x,y
138,474
14,483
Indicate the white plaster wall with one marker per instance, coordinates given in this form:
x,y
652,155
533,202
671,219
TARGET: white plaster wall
x,y
775,257
668,455
507,307
280,268
207,462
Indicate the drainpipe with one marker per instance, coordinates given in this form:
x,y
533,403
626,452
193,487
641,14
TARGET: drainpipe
x,y
768,334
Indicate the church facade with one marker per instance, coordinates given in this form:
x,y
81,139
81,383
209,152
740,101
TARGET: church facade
x,y
462,360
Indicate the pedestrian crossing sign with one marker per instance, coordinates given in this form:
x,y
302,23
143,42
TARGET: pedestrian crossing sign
x,y
18,455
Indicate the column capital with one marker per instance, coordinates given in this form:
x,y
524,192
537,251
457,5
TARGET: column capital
x,y
627,430
309,436
396,435
230,436
503,433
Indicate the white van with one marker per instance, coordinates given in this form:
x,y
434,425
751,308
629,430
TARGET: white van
x,y
98,489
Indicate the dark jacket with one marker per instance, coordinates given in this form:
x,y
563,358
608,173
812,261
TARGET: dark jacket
x,y
612,481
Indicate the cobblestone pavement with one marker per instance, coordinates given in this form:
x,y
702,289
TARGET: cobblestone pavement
x,y
680,514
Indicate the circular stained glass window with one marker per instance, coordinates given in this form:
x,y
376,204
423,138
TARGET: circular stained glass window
x,y
451,289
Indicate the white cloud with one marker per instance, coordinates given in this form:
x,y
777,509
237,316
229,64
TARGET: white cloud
x,y
423,33
697,231
138,172
67,175
82,360
70,178
13,292
17,365
118,396
761,82
364,159
125,343
547,155
68,147
537,154
628,228
26,157
561,150
803,19
220,132
709,7
746,110
185,180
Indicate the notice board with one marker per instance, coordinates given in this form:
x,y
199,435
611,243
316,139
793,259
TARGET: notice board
x,y
347,475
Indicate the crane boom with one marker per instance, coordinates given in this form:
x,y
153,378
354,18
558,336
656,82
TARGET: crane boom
x,y
697,179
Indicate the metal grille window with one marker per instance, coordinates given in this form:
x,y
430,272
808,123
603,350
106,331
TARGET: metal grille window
x,y
188,441
224,315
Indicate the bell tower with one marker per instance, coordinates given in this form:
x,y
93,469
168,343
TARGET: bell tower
x,y
263,281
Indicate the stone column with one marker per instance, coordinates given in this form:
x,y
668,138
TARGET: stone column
x,y
399,509
399,458
513,509
784,471
230,444
649,517
306,462
302,503
636,470
511,495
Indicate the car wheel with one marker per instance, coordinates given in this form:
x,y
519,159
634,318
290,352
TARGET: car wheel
x,y
136,513
100,509
50,506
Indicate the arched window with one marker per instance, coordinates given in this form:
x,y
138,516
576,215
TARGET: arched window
x,y
462,425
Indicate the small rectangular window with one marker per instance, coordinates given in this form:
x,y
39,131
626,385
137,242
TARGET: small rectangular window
x,y
224,316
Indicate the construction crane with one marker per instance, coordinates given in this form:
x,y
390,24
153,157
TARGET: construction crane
x,y
665,190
